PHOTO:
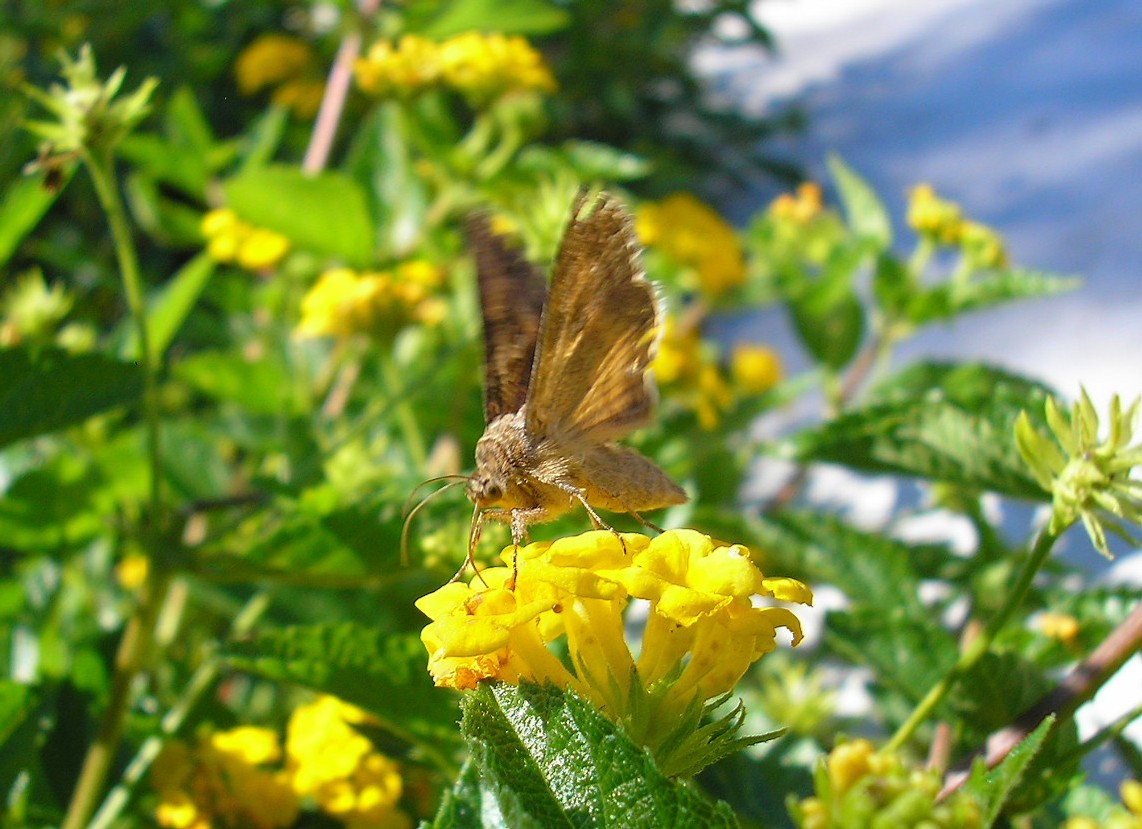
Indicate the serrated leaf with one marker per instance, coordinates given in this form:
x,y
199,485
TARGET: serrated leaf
x,y
866,214
325,214
167,310
907,655
992,787
551,759
381,672
872,569
946,422
468,804
985,290
45,389
509,17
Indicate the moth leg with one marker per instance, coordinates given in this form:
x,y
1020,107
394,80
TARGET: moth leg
x,y
599,523
473,540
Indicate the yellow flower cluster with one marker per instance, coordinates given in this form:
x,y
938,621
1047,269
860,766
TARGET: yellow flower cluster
x,y
878,786
229,239
801,207
702,631
480,67
344,302
692,233
333,763
1126,816
687,369
227,777
942,222
237,777
284,62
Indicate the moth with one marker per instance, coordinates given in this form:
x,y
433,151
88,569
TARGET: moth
x,y
566,375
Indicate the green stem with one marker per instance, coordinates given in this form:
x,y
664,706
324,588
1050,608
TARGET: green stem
x,y
980,644
138,636
200,682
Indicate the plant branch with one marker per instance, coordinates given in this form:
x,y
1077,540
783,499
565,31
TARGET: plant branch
x,y
1079,686
336,91
135,647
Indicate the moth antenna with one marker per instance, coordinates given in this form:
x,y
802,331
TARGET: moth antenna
x,y
411,514
408,501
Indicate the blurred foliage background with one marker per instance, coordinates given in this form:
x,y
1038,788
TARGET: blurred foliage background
x,y
240,328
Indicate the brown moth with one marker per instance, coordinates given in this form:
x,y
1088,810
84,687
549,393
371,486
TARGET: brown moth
x,y
566,376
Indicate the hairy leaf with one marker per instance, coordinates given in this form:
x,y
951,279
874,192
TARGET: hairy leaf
x,y
548,758
947,422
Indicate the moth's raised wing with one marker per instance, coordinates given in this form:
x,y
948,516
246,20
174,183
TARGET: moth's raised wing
x,y
511,298
599,331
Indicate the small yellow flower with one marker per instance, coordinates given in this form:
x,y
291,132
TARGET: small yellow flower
x,y
882,790
755,368
485,66
336,765
694,235
983,247
800,208
408,67
229,239
261,250
1060,626
344,302
934,218
224,779
131,571
301,97
269,60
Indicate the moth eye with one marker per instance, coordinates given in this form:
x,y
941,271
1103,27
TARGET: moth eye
x,y
493,492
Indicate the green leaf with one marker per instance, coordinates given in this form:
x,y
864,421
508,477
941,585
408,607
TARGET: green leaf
x,y
14,708
830,324
985,290
907,655
260,387
509,17
25,202
45,389
993,787
384,673
325,214
383,165
167,310
864,211
873,570
946,422
548,758
462,806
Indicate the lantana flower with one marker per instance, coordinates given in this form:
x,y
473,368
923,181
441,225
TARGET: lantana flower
x,y
231,240
692,233
481,67
344,301
706,623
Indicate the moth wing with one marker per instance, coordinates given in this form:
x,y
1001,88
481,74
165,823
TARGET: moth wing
x,y
598,333
512,294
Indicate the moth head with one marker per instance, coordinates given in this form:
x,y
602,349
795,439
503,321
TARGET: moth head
x,y
484,489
